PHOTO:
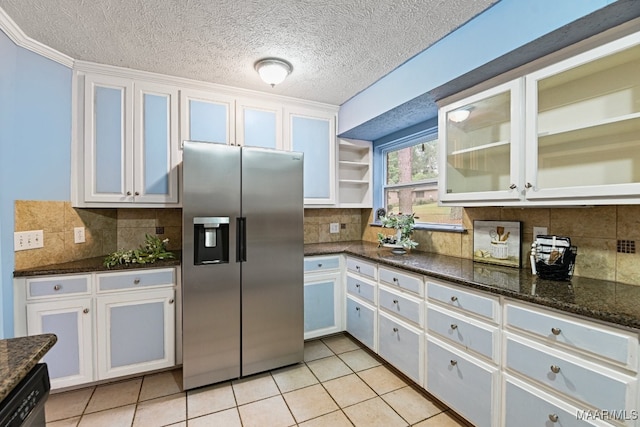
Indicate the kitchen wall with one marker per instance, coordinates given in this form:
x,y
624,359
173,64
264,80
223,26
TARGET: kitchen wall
x,y
317,221
596,231
106,230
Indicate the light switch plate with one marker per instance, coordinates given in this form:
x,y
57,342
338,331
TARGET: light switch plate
x,y
334,227
23,240
78,235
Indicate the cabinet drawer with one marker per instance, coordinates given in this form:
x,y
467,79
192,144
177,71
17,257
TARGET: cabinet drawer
x,y
57,286
401,346
612,344
471,334
466,385
593,384
135,279
455,297
404,281
538,408
358,287
321,263
361,322
364,268
405,307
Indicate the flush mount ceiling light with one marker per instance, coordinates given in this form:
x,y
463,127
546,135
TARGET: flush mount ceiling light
x,y
459,115
273,71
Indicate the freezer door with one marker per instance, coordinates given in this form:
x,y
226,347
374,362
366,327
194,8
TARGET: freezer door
x,y
272,275
210,283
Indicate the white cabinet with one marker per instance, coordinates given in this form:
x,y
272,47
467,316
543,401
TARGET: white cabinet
x,y
361,310
135,332
130,149
313,133
70,361
108,324
354,174
572,139
323,296
207,117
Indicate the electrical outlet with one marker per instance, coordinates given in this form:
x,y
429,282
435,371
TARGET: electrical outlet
x,y
334,227
539,231
23,240
78,235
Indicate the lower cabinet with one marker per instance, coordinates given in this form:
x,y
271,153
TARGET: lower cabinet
x,y
361,321
70,360
103,331
401,345
466,384
322,305
135,332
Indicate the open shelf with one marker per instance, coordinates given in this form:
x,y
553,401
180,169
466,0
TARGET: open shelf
x,y
354,173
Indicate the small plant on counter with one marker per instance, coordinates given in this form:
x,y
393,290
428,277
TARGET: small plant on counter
x,y
403,224
154,249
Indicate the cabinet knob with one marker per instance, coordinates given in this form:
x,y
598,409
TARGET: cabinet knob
x,y
528,185
357,285
128,193
555,369
453,362
395,301
319,265
395,279
358,267
513,186
171,301
136,193
357,308
454,326
556,331
454,298
553,418
57,287
395,329
85,311
136,281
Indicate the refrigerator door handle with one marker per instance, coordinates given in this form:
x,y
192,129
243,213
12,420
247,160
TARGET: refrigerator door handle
x,y
241,255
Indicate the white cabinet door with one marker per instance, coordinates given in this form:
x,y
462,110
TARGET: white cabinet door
x,y
259,124
313,133
322,305
207,117
70,360
130,142
135,332
401,345
108,139
361,322
481,146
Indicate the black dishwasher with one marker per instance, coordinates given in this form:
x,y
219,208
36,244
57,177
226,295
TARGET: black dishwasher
x,y
24,406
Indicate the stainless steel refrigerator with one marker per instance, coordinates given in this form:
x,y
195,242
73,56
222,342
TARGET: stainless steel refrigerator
x,y
242,261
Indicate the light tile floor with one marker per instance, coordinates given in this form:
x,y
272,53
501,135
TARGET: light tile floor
x,y
339,384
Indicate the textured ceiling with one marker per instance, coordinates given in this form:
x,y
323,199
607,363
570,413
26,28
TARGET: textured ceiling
x,y
337,47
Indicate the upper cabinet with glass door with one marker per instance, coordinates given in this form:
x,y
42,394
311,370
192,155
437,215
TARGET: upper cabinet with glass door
x,y
480,146
207,117
583,127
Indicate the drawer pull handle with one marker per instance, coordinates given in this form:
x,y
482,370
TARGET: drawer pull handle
x,y
171,301
555,369
395,301
85,311
319,265
453,362
395,329
136,281
57,287
395,279
454,326
454,298
553,418
556,331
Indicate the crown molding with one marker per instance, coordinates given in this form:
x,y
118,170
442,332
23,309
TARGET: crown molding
x,y
15,33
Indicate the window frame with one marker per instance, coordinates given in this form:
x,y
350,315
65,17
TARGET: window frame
x,y
380,175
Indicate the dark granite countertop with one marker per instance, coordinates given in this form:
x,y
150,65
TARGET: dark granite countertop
x,y
18,356
597,299
89,265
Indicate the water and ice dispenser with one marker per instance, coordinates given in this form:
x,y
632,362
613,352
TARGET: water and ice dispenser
x,y
210,240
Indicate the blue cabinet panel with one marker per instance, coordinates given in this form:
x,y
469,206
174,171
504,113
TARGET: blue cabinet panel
x,y
319,302
137,333
310,136
260,128
63,359
109,139
155,141
208,121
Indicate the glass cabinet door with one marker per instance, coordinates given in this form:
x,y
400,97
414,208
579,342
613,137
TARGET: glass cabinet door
x,y
583,134
480,146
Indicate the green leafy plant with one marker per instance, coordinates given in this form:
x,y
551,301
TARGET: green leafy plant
x,y
402,223
154,249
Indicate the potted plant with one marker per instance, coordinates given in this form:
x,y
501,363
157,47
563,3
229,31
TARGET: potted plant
x,y
401,241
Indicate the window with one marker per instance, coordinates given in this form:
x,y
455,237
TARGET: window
x,y
410,182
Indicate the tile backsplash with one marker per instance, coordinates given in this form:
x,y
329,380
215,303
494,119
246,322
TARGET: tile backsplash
x,y
106,230
594,230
